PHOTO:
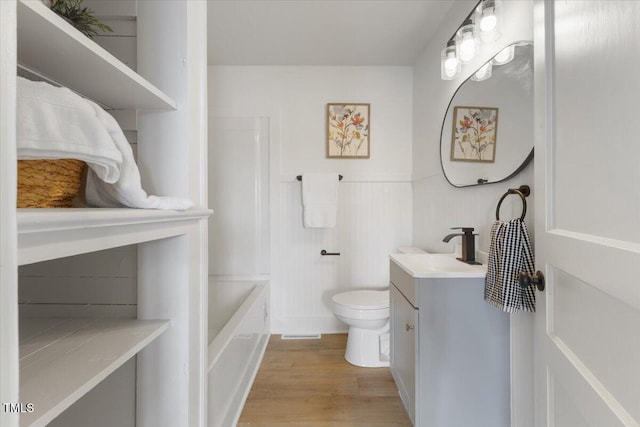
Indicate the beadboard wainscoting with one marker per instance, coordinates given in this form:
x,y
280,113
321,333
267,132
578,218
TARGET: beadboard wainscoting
x,y
437,207
123,44
94,284
374,219
440,207
121,17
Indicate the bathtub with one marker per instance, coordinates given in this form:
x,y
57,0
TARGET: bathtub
x,y
238,337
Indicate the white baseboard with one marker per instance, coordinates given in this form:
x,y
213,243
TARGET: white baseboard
x,y
311,325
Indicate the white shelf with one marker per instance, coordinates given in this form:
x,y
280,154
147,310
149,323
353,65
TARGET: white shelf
x,y
62,359
50,46
45,234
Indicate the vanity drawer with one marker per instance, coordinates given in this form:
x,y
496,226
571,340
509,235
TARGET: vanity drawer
x,y
404,282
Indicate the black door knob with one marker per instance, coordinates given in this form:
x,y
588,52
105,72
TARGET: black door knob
x,y
527,279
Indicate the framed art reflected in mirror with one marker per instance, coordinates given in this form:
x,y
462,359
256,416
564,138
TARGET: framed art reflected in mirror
x,y
474,132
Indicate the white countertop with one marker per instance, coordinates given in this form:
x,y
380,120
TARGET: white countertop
x,y
421,266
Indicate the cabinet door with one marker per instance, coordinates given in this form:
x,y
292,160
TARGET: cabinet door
x,y
404,324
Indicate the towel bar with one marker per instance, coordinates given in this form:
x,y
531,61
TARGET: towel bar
x,y
523,191
299,177
325,253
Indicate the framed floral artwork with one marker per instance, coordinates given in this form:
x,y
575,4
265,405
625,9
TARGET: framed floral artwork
x,y
473,137
348,131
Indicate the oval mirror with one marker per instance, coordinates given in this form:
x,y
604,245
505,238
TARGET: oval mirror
x,y
487,132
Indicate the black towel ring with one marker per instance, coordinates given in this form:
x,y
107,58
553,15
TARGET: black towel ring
x,y
523,191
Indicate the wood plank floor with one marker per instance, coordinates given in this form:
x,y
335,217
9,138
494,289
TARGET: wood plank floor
x,y
307,383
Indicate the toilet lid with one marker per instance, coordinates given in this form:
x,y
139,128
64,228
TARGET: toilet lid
x,y
363,300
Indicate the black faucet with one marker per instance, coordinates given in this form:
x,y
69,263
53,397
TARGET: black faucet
x,y
468,244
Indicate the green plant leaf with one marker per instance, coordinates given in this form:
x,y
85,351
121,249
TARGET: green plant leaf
x,y
80,17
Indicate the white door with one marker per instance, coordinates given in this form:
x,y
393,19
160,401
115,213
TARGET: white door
x,y
587,346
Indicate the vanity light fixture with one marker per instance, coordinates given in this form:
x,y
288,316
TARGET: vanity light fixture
x,y
463,46
506,55
483,73
449,63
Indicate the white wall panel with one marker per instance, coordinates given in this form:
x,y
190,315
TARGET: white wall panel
x,y
94,410
374,219
437,207
100,279
375,196
239,196
112,7
301,95
120,15
122,47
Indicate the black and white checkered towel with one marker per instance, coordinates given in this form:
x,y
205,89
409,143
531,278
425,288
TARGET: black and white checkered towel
x,y
509,253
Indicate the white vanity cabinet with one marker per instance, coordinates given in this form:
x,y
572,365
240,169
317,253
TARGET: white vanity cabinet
x,y
404,321
449,350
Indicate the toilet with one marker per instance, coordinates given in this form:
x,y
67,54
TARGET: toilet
x,y
367,314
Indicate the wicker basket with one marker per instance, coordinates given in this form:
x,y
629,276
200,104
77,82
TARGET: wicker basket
x,y
48,183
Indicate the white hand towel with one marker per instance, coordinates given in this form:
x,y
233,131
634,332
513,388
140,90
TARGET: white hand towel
x,y
55,123
320,199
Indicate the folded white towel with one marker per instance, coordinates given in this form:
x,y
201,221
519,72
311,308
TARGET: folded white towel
x,y
320,199
127,191
55,123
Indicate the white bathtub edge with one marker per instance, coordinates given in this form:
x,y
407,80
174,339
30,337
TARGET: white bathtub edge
x,y
255,362
217,345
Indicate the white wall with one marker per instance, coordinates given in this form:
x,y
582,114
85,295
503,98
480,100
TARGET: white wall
x,y
374,213
437,205
238,166
300,94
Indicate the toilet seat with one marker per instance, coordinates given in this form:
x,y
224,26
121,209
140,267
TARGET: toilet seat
x,y
362,304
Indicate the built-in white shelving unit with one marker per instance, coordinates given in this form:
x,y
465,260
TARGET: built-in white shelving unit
x,y
61,359
44,38
45,234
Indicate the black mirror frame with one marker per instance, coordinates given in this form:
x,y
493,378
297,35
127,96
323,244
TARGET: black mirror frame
x,y
515,172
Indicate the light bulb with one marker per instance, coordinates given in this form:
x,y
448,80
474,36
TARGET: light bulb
x,y
466,42
467,49
449,64
488,22
487,18
505,55
483,73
